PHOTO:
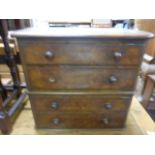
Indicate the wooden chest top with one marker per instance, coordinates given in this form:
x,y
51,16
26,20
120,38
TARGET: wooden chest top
x,y
83,33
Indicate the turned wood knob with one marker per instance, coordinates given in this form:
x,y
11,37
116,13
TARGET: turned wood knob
x,y
52,79
113,79
54,105
108,106
56,121
49,54
118,55
105,120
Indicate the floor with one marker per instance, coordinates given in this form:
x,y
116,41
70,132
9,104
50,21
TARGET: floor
x,y
138,123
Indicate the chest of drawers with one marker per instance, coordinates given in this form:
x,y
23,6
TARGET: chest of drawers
x,y
81,78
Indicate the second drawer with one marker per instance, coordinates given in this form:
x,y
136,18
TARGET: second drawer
x,y
47,78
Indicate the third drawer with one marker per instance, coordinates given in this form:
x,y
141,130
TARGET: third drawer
x,y
79,103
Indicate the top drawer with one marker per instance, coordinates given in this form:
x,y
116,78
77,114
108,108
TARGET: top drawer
x,y
80,52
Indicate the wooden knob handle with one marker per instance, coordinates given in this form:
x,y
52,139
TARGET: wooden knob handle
x,y
49,54
113,79
52,80
56,121
105,120
108,106
55,105
118,55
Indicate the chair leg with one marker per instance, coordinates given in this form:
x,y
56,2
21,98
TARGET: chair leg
x,y
5,123
147,92
3,91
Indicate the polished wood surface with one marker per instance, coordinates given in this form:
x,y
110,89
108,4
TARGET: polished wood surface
x,y
91,52
83,32
81,120
62,61
47,78
76,103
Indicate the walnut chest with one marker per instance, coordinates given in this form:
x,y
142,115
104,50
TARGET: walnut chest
x,y
81,77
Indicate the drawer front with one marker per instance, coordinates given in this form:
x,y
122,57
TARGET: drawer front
x,y
81,53
80,120
79,103
47,78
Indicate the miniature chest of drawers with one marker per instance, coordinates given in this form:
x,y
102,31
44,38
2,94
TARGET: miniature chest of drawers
x,y
79,77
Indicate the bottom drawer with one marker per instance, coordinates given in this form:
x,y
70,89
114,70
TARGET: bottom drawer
x,y
81,120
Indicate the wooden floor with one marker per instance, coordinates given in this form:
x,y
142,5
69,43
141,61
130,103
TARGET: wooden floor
x,y
138,123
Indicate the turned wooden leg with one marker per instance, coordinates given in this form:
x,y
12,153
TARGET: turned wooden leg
x,y
5,123
7,113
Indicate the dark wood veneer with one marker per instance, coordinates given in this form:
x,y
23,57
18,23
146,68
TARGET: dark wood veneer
x,y
81,78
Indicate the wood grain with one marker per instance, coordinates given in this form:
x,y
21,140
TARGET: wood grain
x,y
81,61
81,53
79,77
79,103
81,120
